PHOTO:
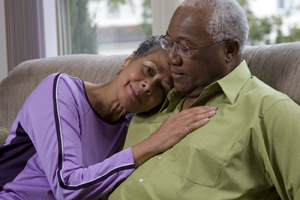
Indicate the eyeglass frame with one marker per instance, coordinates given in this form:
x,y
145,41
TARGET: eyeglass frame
x,y
188,48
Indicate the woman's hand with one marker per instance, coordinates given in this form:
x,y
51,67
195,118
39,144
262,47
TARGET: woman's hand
x,y
176,127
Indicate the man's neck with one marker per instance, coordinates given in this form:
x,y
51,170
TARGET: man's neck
x,y
187,102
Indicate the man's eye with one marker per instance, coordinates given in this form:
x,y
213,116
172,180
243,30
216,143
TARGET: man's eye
x,y
184,48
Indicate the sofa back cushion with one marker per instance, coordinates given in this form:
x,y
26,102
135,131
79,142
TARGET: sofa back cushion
x,y
277,65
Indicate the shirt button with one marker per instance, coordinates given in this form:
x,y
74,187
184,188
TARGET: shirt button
x,y
141,180
159,157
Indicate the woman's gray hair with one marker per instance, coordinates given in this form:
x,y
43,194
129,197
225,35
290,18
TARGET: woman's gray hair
x,y
147,47
228,20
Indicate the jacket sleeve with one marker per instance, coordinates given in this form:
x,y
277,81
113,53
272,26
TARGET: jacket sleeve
x,y
52,118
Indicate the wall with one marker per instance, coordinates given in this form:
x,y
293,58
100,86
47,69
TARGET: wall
x,y
3,51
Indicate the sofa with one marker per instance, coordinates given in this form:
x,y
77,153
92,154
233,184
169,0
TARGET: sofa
x,y
277,65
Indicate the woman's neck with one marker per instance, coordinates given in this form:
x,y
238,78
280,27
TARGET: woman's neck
x,y
104,99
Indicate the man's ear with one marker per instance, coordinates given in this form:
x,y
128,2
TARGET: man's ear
x,y
127,61
232,49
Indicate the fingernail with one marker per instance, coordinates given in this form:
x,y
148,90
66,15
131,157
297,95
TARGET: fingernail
x,y
213,108
206,120
212,112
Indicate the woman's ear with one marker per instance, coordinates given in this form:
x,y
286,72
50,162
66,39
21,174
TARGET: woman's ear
x,y
127,61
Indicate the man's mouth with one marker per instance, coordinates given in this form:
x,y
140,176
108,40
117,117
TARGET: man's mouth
x,y
176,75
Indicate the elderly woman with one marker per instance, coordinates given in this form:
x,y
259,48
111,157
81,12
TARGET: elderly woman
x,y
65,142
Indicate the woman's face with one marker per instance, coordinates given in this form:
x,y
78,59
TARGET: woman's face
x,y
145,82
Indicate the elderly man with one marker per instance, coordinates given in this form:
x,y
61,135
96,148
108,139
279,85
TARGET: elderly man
x,y
249,150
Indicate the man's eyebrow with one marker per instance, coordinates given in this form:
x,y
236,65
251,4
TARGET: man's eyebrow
x,y
181,38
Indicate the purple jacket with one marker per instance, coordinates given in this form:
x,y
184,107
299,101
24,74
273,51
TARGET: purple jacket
x,y
60,148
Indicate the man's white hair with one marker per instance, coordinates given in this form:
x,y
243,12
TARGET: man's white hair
x,y
228,20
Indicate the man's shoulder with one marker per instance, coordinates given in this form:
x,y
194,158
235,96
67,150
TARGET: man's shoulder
x,y
259,88
263,94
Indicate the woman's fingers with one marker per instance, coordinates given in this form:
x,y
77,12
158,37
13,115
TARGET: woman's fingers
x,y
196,121
170,132
192,115
177,126
195,125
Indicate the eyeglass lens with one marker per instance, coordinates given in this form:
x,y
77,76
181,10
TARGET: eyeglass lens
x,y
180,49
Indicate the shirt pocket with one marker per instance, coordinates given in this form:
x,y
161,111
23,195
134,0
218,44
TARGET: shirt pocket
x,y
201,161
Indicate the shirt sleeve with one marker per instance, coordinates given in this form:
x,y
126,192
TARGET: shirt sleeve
x,y
280,147
52,118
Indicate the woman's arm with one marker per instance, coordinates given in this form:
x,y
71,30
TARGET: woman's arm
x,y
51,117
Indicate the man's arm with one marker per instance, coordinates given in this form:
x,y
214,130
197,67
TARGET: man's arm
x,y
280,147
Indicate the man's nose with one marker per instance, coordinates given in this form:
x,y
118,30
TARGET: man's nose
x,y
173,57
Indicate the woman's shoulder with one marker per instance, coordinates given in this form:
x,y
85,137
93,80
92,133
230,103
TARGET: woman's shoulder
x,y
63,76
59,79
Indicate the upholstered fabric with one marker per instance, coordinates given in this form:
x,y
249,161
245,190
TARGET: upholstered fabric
x,y
277,65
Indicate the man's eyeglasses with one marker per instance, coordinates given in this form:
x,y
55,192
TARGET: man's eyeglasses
x,y
181,49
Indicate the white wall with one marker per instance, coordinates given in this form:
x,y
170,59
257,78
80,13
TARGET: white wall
x,y
3,50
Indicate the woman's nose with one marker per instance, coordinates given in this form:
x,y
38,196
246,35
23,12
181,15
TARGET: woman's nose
x,y
148,86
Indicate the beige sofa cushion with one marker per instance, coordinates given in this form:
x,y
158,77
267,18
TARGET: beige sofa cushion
x,y
277,65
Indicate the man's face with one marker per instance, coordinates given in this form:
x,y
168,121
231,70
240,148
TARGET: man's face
x,y
206,64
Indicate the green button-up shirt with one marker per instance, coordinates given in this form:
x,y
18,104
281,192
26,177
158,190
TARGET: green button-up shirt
x,y
249,150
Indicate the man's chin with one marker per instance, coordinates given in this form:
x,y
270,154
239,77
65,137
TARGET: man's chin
x,y
181,88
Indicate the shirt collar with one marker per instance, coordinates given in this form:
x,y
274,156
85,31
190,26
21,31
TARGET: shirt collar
x,y
231,85
235,81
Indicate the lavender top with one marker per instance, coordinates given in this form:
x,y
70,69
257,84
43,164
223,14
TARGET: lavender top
x,y
60,148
